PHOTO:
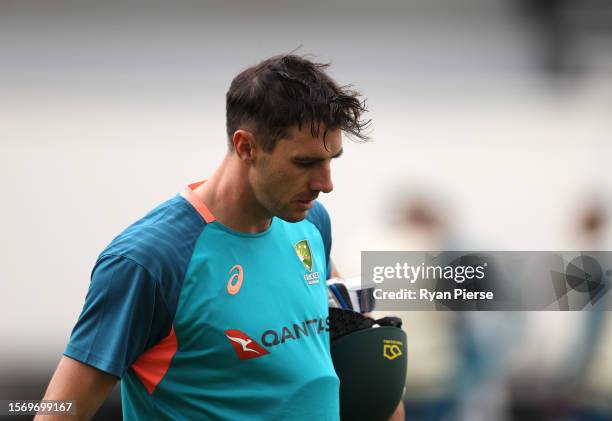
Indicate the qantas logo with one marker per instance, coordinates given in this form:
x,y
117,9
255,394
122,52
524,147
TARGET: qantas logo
x,y
243,343
245,347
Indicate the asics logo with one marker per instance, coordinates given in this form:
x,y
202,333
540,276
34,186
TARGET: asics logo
x,y
235,281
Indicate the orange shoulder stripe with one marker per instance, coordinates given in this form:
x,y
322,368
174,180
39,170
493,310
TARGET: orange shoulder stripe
x,y
197,203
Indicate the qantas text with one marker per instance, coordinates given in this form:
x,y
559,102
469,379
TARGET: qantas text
x,y
295,331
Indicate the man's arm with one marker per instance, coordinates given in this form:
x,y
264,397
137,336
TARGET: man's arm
x,y
86,386
334,271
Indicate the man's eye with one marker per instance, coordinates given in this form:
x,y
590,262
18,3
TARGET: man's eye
x,y
305,164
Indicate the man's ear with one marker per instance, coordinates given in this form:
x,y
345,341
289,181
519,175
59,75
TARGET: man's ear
x,y
244,144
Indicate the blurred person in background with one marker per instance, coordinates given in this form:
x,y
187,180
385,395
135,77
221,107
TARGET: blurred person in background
x,y
195,306
458,361
558,371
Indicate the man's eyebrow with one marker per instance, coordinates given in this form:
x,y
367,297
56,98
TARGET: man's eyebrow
x,y
316,158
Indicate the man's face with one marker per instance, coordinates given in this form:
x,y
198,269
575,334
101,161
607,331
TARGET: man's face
x,y
287,180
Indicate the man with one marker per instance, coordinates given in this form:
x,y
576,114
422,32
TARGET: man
x,y
214,305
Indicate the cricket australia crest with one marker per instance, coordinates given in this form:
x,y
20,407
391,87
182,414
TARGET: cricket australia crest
x,y
302,249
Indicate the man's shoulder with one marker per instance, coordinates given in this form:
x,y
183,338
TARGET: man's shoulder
x,y
163,238
319,217
317,211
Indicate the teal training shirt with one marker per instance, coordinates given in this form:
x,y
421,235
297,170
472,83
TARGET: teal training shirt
x,y
203,322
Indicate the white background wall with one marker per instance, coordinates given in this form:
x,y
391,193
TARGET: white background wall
x,y
107,110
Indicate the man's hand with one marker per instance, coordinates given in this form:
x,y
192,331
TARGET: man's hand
x,y
398,415
86,386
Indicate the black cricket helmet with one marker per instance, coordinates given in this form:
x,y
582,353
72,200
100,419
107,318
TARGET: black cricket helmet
x,y
370,358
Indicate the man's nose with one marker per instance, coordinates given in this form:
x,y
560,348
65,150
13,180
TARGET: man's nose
x,y
322,181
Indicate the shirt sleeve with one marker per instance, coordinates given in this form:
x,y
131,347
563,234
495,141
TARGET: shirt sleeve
x,y
123,315
320,218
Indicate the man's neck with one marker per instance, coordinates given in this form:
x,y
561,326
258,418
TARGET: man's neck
x,y
231,200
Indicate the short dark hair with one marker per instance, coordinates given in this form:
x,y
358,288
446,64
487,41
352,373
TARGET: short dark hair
x,y
286,91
